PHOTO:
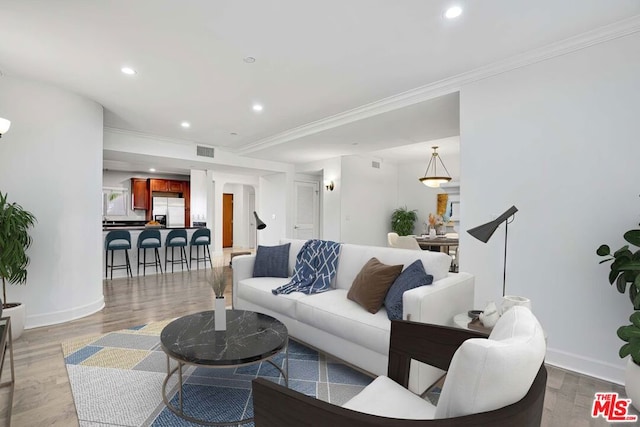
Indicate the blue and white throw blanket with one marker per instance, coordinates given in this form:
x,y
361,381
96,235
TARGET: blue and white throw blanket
x,y
316,265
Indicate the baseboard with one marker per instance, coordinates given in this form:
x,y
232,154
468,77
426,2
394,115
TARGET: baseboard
x,y
586,366
53,318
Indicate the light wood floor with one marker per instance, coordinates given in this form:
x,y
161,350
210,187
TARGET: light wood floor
x,y
43,395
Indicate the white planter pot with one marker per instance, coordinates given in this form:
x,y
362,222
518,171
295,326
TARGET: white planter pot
x,y
509,301
632,383
220,314
17,315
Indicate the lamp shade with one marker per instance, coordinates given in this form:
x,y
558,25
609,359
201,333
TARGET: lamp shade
x,y
432,178
4,125
485,231
259,224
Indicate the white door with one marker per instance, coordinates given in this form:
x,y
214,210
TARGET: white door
x,y
307,213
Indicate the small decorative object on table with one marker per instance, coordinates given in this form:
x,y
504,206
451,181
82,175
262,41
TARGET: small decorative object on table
x,y
437,224
490,315
218,281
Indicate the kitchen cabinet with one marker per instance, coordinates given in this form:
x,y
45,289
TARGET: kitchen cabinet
x,y
175,186
159,185
139,193
182,188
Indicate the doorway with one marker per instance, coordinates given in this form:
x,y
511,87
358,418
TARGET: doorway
x,y
227,220
307,210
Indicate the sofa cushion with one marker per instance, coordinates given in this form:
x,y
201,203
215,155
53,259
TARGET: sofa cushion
x,y
372,283
386,398
333,313
353,257
411,277
258,291
272,261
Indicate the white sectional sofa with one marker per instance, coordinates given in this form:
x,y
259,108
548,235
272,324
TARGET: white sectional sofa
x,y
340,327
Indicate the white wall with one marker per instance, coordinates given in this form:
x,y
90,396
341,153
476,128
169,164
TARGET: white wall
x,y
368,197
51,164
272,208
198,195
560,140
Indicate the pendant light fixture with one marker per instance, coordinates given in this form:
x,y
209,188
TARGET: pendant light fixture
x,y
431,177
4,126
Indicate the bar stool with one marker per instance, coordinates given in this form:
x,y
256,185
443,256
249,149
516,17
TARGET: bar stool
x,y
117,240
200,237
149,239
176,239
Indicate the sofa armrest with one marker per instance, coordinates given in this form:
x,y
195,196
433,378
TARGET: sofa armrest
x,y
434,345
242,268
439,302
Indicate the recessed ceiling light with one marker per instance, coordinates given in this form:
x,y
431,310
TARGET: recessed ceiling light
x,y
185,125
128,71
152,170
257,107
453,12
249,59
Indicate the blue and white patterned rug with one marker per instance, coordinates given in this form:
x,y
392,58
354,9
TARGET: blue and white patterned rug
x,y
116,380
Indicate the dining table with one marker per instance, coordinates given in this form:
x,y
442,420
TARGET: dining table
x,y
440,243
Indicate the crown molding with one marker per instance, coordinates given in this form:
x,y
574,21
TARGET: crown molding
x,y
452,84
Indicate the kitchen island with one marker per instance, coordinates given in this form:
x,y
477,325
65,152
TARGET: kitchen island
x,y
135,231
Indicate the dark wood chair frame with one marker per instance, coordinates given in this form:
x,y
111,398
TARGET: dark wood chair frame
x,y
278,406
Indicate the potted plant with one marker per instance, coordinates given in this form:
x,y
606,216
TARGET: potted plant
x,y
218,282
15,223
402,221
625,273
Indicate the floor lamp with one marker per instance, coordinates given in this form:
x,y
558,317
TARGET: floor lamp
x,y
485,231
260,225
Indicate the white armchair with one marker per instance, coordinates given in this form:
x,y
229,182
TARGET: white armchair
x,y
498,381
403,242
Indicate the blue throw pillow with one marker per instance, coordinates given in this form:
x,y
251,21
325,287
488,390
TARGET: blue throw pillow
x,y
412,277
272,261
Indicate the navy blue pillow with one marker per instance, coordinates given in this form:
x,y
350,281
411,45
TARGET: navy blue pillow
x,y
412,277
272,261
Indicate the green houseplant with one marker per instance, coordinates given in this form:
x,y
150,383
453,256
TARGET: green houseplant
x,y
402,221
625,274
15,223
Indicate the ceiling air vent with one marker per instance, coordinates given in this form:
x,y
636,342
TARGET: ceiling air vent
x,y
204,151
375,164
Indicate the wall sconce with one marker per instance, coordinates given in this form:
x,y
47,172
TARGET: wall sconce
x,y
329,185
4,126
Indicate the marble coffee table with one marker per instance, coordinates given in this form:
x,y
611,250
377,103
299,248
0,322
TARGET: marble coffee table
x,y
249,338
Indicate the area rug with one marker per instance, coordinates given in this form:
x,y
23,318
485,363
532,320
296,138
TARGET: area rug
x,y
116,380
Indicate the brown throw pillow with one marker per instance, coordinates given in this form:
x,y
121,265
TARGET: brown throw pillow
x,y
372,283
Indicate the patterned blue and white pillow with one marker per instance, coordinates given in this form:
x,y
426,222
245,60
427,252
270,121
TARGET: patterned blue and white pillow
x,y
412,277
